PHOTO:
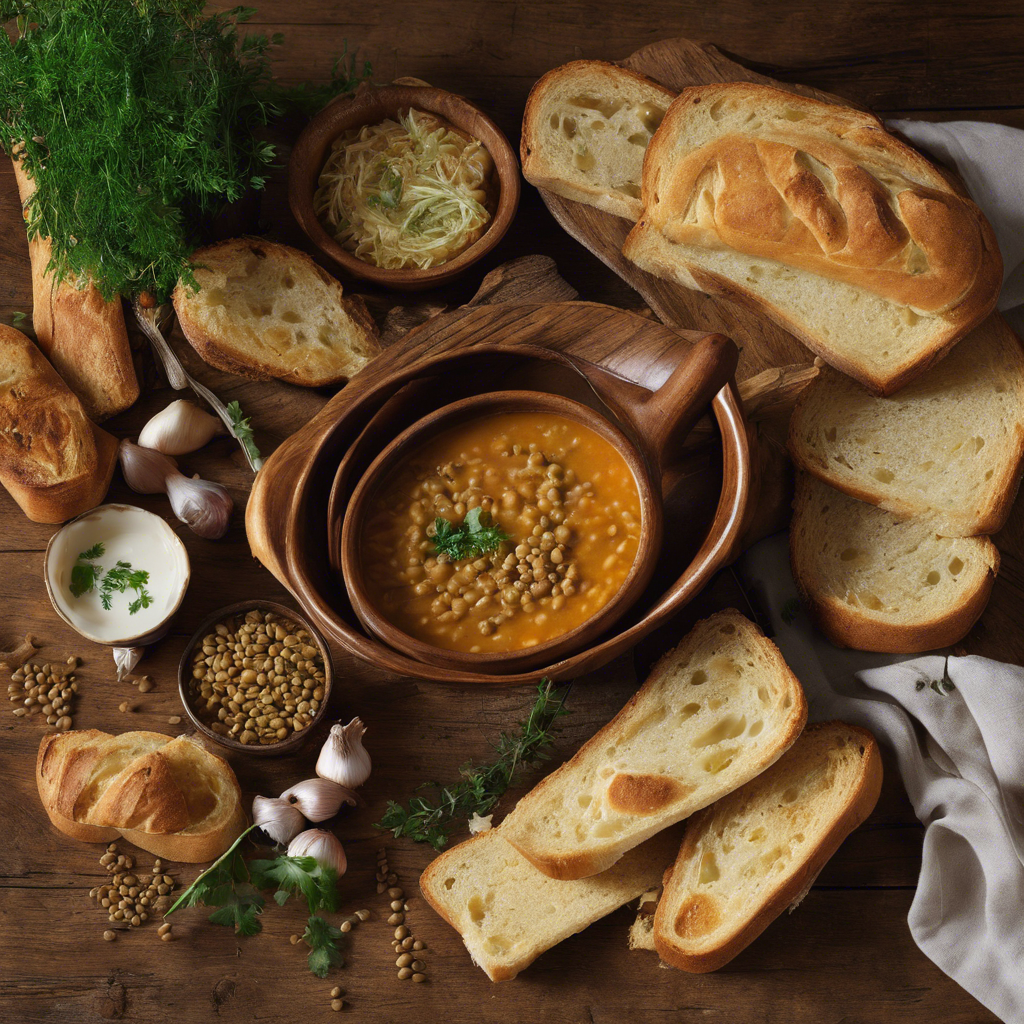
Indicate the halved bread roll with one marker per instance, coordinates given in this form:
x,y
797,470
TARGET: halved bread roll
x,y
265,310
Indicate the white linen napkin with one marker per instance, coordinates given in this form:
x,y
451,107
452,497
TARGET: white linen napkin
x,y
990,159
955,725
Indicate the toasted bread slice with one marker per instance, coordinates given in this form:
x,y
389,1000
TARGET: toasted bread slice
x,y
877,584
950,445
265,310
749,856
586,127
814,215
55,463
713,713
508,913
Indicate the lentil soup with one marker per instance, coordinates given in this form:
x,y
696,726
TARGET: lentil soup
x,y
562,496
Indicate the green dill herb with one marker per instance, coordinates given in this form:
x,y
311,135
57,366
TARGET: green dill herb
x,y
476,536
346,75
86,575
242,430
479,788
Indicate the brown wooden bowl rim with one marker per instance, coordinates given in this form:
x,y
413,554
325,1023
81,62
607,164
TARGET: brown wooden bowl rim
x,y
368,106
495,402
294,741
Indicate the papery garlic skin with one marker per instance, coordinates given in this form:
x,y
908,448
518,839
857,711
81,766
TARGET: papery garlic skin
x,y
203,506
278,818
179,429
478,824
126,658
343,758
318,799
322,846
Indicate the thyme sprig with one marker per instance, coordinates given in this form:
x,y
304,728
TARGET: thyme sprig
x,y
479,788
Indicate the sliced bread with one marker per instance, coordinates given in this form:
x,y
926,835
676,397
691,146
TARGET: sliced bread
x,y
508,913
54,462
265,310
713,713
875,583
950,445
586,127
748,857
816,216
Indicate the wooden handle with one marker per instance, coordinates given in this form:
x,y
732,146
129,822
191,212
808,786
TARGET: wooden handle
x,y
669,414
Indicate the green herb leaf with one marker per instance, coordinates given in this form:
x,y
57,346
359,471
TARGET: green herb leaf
x,y
84,578
242,912
91,554
476,536
18,317
243,433
389,189
479,789
122,578
321,938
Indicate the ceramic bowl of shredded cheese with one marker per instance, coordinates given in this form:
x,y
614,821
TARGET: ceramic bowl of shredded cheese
x,y
405,186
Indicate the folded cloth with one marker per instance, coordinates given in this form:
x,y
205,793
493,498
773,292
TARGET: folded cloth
x,y
990,159
955,726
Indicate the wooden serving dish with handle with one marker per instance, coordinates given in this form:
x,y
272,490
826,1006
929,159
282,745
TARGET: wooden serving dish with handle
x,y
616,360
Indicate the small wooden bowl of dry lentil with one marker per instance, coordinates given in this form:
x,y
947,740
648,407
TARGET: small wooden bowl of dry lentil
x,y
256,677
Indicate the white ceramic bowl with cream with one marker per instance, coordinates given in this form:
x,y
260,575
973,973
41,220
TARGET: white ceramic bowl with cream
x,y
128,535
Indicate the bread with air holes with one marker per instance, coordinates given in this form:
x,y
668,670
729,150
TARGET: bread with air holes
x,y
714,712
586,127
950,445
749,856
875,583
814,215
508,913
265,310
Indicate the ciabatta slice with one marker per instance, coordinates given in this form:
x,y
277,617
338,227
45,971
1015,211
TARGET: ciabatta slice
x,y
713,713
877,584
814,215
748,857
586,127
949,445
508,913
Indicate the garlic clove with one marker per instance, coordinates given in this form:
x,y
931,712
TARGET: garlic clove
x,y
126,658
145,470
318,799
179,429
205,507
322,846
480,823
343,758
278,818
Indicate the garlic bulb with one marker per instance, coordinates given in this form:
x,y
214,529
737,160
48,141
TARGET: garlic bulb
x,y
318,799
322,846
343,758
203,506
278,818
179,429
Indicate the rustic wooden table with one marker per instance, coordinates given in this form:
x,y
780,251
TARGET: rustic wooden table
x,y
846,955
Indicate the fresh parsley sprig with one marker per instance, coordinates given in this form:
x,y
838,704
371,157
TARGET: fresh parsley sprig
x,y
234,886
474,537
86,574
480,787
242,429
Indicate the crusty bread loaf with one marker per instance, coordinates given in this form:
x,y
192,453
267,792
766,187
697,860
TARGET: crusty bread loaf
x,y
950,445
167,795
82,335
877,584
586,127
817,217
508,913
749,856
55,463
265,310
713,713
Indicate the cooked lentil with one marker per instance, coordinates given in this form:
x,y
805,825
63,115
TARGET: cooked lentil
x,y
563,494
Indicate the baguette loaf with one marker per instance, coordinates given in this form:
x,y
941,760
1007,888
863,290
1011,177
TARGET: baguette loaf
x,y
265,310
713,713
508,913
748,857
167,795
82,334
586,127
817,217
950,445
53,461
877,584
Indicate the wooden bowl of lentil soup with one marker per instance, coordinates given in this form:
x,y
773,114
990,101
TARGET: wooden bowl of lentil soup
x,y
237,663
506,530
